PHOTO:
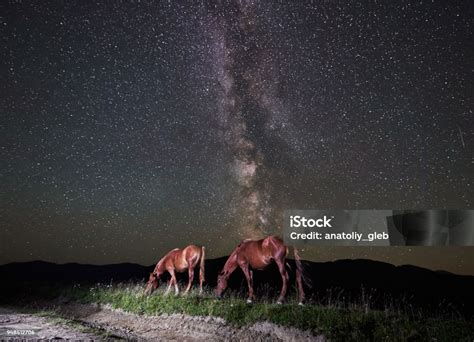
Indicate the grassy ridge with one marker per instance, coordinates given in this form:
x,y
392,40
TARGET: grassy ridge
x,y
356,323
337,321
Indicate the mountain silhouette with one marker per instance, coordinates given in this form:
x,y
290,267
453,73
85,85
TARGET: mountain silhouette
x,y
361,281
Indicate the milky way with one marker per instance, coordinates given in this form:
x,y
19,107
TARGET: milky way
x,y
131,128
245,109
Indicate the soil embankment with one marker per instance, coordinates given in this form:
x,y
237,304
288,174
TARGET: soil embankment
x,y
119,324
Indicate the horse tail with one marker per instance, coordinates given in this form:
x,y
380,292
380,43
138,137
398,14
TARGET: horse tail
x,y
202,269
300,278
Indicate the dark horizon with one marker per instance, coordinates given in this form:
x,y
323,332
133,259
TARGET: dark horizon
x,y
224,258
387,261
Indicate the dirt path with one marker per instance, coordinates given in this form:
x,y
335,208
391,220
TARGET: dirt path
x,y
176,327
27,326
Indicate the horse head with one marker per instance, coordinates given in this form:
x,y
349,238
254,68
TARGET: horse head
x,y
152,283
221,284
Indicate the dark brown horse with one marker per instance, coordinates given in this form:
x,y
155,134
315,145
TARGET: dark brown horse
x,y
178,260
258,255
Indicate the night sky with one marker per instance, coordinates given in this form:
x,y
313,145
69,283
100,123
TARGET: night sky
x,y
130,128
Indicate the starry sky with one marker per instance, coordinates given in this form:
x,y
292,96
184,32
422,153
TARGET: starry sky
x,y
133,127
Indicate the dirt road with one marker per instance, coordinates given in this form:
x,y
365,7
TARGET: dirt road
x,y
16,325
118,324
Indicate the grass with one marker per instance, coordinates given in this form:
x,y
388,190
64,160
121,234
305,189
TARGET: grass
x,y
357,322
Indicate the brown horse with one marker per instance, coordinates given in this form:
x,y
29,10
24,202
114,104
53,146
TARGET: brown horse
x,y
258,255
178,260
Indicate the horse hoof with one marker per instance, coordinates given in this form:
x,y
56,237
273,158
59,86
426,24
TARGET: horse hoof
x,y
249,301
300,304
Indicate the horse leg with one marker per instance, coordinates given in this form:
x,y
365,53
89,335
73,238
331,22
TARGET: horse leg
x,y
248,275
201,281
202,270
284,277
174,281
169,286
299,276
191,277
251,280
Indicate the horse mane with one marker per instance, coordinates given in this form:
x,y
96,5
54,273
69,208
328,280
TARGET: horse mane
x,y
158,265
242,242
232,256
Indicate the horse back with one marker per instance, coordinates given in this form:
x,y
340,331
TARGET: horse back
x,y
187,257
192,252
253,252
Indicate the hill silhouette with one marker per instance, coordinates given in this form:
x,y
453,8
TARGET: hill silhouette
x,y
374,283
